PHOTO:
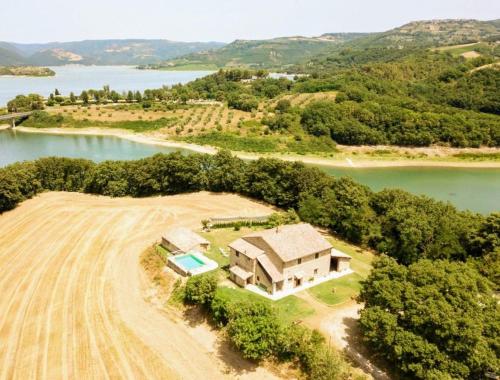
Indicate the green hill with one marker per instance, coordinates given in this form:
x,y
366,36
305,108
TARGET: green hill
x,y
99,52
9,55
277,52
432,34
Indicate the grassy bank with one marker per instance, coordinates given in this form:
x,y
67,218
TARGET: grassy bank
x,y
262,144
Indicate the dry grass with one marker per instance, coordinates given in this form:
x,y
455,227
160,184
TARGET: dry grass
x,y
75,299
190,121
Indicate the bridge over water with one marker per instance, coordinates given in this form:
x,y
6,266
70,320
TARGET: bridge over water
x,y
12,117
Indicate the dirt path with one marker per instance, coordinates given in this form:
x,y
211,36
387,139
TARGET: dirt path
x,y
73,292
339,324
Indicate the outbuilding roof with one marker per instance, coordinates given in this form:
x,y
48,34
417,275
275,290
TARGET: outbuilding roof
x,y
337,253
291,242
183,238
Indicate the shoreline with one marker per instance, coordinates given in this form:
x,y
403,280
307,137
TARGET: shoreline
x,y
330,162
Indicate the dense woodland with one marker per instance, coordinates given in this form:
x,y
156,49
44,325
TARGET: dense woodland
x,y
411,230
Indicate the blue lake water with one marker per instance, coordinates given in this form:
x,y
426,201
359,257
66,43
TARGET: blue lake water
x,y
474,189
76,78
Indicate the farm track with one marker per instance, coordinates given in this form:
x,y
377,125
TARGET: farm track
x,y
72,292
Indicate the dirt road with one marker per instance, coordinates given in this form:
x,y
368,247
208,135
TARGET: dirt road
x,y
72,292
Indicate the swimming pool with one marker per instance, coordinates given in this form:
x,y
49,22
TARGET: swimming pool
x,y
189,261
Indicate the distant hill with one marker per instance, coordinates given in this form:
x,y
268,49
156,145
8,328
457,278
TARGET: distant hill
x,y
277,52
99,52
9,56
432,34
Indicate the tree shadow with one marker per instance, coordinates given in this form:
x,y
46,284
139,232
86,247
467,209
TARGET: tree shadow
x,y
356,349
233,359
196,315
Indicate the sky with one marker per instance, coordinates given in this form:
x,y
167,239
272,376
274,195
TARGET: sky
x,y
221,20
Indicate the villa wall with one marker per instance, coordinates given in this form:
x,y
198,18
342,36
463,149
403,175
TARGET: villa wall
x,y
307,266
261,278
242,261
344,264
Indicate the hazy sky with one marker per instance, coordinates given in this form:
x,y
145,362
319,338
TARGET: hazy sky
x,y
221,20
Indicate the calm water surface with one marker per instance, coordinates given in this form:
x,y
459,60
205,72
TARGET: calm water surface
x,y
77,78
474,189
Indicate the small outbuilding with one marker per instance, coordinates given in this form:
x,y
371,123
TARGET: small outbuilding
x,y
183,240
339,261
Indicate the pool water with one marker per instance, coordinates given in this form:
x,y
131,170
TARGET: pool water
x,y
189,262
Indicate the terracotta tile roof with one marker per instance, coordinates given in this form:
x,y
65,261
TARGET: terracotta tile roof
x,y
246,248
292,241
270,268
337,253
183,238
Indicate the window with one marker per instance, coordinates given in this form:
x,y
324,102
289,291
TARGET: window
x,y
316,271
258,278
299,261
237,254
316,255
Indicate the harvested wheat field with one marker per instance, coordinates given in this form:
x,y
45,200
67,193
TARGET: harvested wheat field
x,y
72,291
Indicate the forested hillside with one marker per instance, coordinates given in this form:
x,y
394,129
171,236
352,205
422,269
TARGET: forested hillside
x,y
433,33
281,52
99,52
274,53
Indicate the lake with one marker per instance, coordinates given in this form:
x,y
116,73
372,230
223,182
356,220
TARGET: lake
x,y
76,78
474,189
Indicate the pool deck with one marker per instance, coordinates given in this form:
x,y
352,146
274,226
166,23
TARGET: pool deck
x,y
208,266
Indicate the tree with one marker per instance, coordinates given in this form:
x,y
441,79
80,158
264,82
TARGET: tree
x,y
138,96
84,96
130,97
433,319
255,330
23,103
72,98
318,117
56,92
10,195
243,102
201,289
283,105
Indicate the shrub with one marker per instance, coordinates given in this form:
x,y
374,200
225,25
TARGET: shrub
x,y
243,102
201,289
255,329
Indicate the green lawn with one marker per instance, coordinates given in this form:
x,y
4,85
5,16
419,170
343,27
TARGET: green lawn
x,y
220,238
290,308
342,289
337,291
